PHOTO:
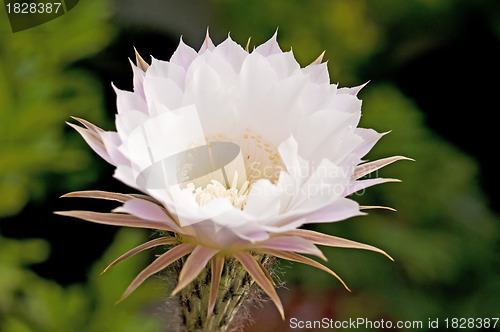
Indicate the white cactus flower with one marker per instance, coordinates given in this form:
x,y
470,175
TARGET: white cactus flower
x,y
234,151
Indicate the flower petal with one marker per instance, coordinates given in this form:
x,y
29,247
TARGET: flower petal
x,y
367,168
183,55
115,219
93,140
269,47
260,277
291,256
291,243
141,64
159,264
207,44
333,241
99,195
193,266
150,244
147,210
340,209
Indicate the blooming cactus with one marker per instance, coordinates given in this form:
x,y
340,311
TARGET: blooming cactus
x,y
234,151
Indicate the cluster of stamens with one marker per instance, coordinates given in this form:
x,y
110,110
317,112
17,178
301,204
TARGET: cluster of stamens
x,y
215,189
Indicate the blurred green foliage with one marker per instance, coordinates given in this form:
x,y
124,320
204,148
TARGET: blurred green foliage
x,y
38,92
29,303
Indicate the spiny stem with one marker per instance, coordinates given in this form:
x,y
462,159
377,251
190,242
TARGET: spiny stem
x,y
235,289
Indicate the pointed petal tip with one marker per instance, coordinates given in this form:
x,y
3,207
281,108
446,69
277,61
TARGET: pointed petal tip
x,y
319,59
176,290
140,63
247,47
368,207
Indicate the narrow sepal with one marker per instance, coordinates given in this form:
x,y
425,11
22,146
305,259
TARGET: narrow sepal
x,y
159,264
372,166
150,244
217,266
319,59
98,194
368,207
333,241
143,65
147,198
115,219
193,266
291,243
255,271
90,136
88,125
247,47
292,256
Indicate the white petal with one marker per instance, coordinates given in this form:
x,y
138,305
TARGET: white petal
x,y
183,55
232,52
169,70
163,91
270,47
128,101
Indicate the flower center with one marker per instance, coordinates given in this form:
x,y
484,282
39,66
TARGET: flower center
x,y
261,159
215,189
258,160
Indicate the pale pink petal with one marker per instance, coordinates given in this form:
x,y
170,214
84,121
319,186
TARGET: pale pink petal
x,y
129,101
269,47
232,52
317,73
256,78
138,79
163,91
319,128
193,266
333,241
372,166
94,141
354,90
369,137
255,271
207,44
141,64
90,126
100,195
183,55
291,243
169,70
112,142
340,209
368,207
147,210
116,219
159,264
284,64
